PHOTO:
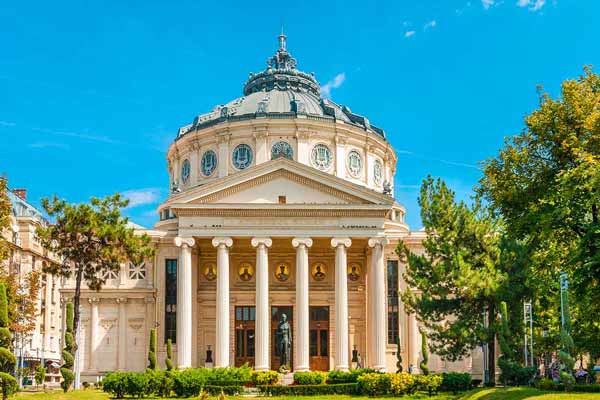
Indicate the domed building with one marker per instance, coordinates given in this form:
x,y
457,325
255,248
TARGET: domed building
x,y
276,246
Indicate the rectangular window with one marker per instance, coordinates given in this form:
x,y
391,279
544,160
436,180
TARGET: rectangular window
x,y
393,326
171,300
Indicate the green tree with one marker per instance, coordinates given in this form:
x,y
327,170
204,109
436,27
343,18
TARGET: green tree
x,y
545,185
152,364
68,353
91,239
40,375
5,211
169,359
424,353
7,360
457,277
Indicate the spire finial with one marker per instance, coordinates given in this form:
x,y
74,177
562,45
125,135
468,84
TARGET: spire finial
x,y
282,39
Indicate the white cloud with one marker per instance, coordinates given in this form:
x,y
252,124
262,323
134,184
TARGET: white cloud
x,y
409,34
45,145
7,123
333,84
140,197
487,3
430,24
533,5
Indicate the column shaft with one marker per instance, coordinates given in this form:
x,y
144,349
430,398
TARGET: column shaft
x,y
222,328
263,316
93,333
378,341
184,302
341,303
302,304
122,334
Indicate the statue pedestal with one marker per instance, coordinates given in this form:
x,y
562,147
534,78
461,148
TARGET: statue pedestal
x,y
286,379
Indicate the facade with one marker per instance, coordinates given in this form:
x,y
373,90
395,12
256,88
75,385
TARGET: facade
x,y
281,203
42,345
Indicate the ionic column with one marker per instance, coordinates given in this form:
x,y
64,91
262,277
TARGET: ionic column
x,y
377,286
302,330
222,330
184,302
122,359
263,316
341,303
93,332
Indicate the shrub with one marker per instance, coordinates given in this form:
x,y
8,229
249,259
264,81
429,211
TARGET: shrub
x,y
374,384
136,384
229,376
115,383
67,368
310,378
402,383
8,383
513,374
160,382
86,385
40,374
455,382
428,383
169,359
261,378
152,350
309,390
230,390
351,376
188,382
425,353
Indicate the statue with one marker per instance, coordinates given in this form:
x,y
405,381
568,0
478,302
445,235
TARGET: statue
x,y
283,336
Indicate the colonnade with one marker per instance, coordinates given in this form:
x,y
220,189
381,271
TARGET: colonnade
x,y
376,309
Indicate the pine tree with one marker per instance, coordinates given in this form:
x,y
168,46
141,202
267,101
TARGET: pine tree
x,y
68,354
152,350
425,353
169,359
7,360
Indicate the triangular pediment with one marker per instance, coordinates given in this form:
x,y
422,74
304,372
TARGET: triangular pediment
x,y
279,181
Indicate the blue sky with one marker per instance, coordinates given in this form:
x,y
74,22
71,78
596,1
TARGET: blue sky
x,y
92,93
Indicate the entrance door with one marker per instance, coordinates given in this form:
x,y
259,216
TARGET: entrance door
x,y
244,335
276,313
319,338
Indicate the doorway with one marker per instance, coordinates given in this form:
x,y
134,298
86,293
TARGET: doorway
x,y
245,317
319,338
276,313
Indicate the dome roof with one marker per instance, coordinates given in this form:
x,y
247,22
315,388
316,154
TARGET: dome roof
x,y
281,91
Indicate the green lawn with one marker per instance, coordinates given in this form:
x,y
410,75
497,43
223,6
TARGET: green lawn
x,y
480,394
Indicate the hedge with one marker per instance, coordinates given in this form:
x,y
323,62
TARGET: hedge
x,y
310,378
549,384
347,377
309,390
455,382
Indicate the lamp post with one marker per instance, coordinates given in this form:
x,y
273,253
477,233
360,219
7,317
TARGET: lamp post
x,y
528,322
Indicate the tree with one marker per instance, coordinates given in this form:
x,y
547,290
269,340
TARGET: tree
x,y
152,350
7,360
398,356
425,354
457,277
169,359
40,375
5,211
545,185
68,353
91,240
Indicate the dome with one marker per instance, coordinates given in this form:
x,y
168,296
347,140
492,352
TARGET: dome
x,y
280,91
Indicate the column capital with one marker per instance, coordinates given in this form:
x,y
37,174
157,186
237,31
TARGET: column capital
x,y
93,300
181,241
343,241
222,241
378,241
257,241
302,241
121,300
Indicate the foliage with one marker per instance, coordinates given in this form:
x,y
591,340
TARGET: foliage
x,y
188,382
544,184
429,383
458,275
374,384
5,212
169,359
91,239
567,360
351,376
115,383
310,378
402,383
424,353
512,373
309,390
152,350
40,375
455,382
261,378
68,353
398,356
7,360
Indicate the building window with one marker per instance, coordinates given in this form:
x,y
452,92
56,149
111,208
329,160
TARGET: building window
x,y
393,327
321,157
137,271
282,149
242,156
208,163
185,170
171,300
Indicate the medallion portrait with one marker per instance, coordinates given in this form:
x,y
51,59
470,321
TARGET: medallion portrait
x,y
209,271
245,271
319,271
282,272
354,271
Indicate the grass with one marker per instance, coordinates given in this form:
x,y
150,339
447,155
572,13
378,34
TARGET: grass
x,y
479,394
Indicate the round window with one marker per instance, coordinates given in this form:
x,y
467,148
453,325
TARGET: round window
x,y
321,157
282,149
377,172
185,170
354,163
208,163
242,156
